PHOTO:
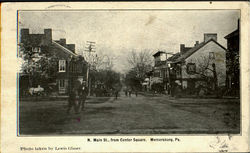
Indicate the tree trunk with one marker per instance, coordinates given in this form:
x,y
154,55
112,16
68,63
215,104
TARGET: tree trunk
x,y
215,77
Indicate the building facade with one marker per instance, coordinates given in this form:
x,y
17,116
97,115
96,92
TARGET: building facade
x,y
233,62
159,79
65,66
204,64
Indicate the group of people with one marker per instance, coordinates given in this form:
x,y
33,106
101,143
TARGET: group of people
x,y
77,97
129,92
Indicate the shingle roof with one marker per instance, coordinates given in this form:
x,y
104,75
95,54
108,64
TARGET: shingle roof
x,y
196,48
174,57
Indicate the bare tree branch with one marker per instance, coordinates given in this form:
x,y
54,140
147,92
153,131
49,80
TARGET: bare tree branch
x,y
140,62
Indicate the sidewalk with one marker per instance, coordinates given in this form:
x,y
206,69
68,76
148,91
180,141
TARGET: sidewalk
x,y
56,98
150,94
201,100
193,99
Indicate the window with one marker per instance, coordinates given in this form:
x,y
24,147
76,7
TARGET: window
x,y
178,70
211,55
61,83
62,65
191,68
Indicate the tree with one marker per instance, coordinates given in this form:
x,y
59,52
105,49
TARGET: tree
x,y
40,66
233,70
132,80
208,72
105,81
97,59
140,62
103,61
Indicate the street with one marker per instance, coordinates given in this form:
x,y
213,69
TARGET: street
x,y
144,114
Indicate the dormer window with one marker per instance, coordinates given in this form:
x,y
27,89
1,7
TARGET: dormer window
x,y
62,66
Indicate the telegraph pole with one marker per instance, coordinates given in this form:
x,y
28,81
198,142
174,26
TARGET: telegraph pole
x,y
90,46
167,70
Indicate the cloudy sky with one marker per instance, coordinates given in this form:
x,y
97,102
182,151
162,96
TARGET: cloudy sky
x,y
117,32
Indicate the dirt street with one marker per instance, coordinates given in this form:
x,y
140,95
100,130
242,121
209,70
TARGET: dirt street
x,y
131,115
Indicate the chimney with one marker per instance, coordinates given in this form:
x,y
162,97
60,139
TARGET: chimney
x,y
47,36
208,36
24,35
71,47
182,47
196,43
63,42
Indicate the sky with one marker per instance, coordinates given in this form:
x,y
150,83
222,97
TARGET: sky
x,y
118,32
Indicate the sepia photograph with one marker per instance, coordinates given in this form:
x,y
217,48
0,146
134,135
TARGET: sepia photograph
x,y
121,72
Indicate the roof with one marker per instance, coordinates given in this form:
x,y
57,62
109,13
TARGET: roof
x,y
174,57
232,34
196,48
64,49
158,53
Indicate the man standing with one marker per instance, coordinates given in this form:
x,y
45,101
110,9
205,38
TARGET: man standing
x,y
116,93
136,92
126,92
83,92
129,92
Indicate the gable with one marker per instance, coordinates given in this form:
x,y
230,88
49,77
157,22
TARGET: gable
x,y
211,46
62,52
198,48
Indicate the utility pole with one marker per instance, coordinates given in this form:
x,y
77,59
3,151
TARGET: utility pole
x,y
90,46
167,70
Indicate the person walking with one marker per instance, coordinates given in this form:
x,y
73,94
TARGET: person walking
x,y
129,92
126,92
83,92
116,94
136,92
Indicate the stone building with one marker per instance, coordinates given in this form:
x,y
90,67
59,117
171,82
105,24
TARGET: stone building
x,y
204,64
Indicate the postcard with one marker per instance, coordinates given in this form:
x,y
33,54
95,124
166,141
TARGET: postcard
x,y
125,77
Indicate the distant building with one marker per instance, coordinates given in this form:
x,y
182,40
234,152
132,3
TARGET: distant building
x,y
159,75
193,66
69,67
233,65
160,58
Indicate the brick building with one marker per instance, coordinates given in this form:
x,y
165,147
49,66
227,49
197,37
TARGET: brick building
x,y
233,65
69,66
